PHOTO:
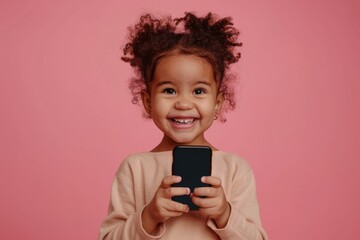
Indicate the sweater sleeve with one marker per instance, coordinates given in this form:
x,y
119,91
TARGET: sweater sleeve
x,y
123,221
244,221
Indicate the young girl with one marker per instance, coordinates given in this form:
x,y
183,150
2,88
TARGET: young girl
x,y
182,82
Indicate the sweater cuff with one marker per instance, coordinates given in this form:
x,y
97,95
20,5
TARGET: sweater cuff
x,y
226,231
158,233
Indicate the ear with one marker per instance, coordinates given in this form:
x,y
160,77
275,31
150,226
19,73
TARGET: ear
x,y
146,100
219,102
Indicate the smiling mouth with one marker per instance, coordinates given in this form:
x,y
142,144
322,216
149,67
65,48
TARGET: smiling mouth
x,y
185,121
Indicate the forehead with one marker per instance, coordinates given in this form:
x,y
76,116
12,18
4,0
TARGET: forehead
x,y
183,67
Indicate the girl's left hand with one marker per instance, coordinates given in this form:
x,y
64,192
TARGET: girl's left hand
x,y
214,205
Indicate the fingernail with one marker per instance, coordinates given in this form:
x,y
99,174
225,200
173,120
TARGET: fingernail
x,y
187,191
203,179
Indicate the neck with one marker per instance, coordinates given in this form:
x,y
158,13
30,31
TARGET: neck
x,y
167,144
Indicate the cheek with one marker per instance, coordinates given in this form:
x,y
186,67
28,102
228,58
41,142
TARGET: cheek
x,y
209,110
160,106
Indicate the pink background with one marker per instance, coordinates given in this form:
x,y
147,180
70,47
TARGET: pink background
x,y
67,122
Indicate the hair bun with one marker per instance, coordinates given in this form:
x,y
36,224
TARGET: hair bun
x,y
208,32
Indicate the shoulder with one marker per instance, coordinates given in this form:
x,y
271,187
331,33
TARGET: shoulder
x,y
231,164
132,161
135,157
145,157
142,161
232,159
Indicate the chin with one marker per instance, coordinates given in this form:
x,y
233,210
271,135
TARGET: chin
x,y
184,141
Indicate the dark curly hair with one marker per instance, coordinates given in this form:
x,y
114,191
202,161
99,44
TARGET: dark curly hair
x,y
208,37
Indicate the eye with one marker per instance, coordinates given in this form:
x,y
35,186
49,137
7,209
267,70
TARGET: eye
x,y
169,91
199,91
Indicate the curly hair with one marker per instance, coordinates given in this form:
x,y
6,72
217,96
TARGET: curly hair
x,y
207,37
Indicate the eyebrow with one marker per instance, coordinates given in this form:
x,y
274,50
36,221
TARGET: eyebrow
x,y
163,83
203,82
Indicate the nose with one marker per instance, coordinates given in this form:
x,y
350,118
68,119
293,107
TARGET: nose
x,y
183,103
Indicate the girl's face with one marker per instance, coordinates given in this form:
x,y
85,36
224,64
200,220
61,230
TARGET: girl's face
x,y
183,99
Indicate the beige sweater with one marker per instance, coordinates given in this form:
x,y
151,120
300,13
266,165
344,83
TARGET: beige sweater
x,y
140,175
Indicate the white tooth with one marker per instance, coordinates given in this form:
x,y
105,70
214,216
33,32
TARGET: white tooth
x,y
184,121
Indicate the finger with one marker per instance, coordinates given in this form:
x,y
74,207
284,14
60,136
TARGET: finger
x,y
204,202
169,180
213,181
176,191
167,210
171,214
206,192
209,211
173,206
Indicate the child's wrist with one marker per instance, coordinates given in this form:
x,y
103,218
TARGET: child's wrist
x,y
222,220
149,223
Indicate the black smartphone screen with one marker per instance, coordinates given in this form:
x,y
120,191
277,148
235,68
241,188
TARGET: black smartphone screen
x,y
191,163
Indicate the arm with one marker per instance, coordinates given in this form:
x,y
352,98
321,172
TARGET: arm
x,y
244,219
124,218
162,207
129,218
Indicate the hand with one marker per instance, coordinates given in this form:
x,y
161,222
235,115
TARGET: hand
x,y
215,204
161,207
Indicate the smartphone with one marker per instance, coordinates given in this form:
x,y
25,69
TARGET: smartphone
x,y
191,163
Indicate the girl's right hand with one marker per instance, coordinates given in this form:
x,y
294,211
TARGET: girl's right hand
x,y
162,207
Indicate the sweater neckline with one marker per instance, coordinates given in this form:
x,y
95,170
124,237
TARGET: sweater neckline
x,y
169,152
